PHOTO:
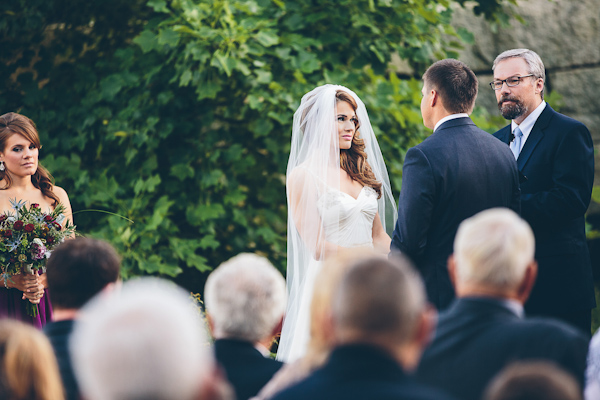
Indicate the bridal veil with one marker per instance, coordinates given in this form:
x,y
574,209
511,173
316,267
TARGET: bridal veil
x,y
312,182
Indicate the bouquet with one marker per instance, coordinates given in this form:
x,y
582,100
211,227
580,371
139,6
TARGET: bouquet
x,y
27,236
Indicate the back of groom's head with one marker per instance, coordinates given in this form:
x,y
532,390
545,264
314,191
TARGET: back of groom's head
x,y
79,269
493,249
378,300
455,83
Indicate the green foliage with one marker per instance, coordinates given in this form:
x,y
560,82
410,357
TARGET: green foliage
x,y
177,114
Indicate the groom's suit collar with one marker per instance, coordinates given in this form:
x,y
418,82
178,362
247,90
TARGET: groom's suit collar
x,y
460,121
449,118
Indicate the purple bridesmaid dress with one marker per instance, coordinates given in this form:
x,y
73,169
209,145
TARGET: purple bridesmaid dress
x,y
13,306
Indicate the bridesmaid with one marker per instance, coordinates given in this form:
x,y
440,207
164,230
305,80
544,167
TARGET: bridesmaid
x,y
23,178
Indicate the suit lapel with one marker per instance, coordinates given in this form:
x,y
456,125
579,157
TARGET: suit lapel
x,y
536,134
504,134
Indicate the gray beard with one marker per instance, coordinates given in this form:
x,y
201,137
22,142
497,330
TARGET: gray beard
x,y
512,110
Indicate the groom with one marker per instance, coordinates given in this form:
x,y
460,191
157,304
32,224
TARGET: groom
x,y
452,175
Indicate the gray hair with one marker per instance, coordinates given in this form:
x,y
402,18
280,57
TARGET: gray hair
x,y
494,248
379,297
535,65
245,298
145,342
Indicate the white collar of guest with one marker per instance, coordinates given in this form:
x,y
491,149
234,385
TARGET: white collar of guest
x,y
527,124
263,350
448,118
515,307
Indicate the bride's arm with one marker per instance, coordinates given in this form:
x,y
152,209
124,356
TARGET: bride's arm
x,y
381,240
303,197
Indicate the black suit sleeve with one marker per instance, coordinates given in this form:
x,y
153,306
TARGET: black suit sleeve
x,y
415,208
572,179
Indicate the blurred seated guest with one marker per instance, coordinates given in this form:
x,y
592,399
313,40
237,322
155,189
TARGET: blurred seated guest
x,y
28,368
320,341
493,272
77,270
533,381
592,376
245,302
380,324
146,343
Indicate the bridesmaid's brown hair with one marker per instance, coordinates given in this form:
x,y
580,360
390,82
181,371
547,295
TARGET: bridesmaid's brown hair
x,y
13,123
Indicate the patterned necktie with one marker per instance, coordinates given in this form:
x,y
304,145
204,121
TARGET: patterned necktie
x,y
515,145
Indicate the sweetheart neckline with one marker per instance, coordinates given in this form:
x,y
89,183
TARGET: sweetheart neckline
x,y
349,195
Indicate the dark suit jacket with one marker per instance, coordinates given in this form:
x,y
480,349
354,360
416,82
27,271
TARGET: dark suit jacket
x,y
59,333
478,337
452,175
246,368
359,371
558,163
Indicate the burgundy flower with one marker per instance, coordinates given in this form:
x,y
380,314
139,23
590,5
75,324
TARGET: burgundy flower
x,y
18,225
35,205
57,226
49,240
3,217
29,227
7,233
48,218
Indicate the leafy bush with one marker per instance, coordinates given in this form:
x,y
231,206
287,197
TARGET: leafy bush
x,y
178,115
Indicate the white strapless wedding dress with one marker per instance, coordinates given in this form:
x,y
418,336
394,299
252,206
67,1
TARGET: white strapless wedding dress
x,y
347,222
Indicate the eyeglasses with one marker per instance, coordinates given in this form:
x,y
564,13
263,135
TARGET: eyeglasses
x,y
510,82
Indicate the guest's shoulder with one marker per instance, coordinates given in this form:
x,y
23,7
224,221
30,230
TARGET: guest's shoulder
x,y
422,392
548,329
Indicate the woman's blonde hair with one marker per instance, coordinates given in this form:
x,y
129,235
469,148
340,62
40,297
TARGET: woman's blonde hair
x,y
28,367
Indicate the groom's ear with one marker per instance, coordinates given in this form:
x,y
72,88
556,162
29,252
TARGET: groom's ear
x,y
434,98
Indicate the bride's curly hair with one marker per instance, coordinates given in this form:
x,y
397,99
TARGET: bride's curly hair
x,y
354,159
13,123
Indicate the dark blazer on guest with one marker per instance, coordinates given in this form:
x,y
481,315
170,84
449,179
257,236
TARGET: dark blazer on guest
x,y
477,337
246,368
557,162
360,371
452,175
59,333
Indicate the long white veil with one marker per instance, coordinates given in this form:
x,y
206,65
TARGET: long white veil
x,y
313,177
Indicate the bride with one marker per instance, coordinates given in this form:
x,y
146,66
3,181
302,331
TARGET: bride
x,y
338,194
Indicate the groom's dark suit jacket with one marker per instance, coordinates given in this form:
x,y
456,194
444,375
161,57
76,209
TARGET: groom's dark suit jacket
x,y
478,337
558,163
452,175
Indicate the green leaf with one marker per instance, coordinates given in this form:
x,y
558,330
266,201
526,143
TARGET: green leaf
x,y
147,41
267,38
159,6
168,37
